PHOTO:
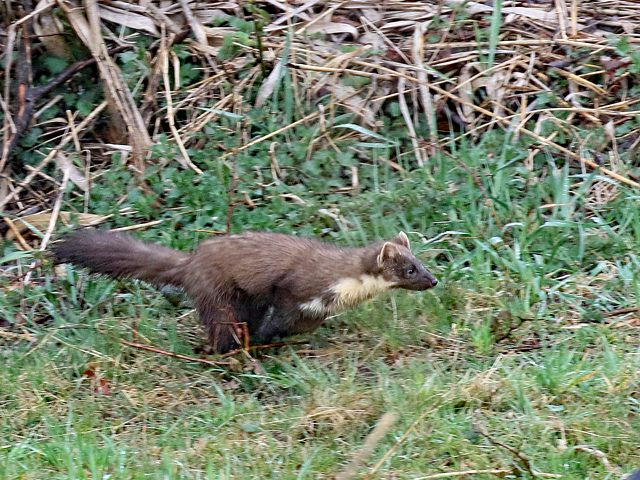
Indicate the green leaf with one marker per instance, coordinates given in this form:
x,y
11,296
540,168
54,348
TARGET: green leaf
x,y
365,131
55,64
84,107
250,427
224,113
13,256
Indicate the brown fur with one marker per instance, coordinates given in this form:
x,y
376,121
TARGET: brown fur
x,y
277,284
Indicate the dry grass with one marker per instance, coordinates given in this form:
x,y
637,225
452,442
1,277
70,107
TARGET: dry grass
x,y
427,55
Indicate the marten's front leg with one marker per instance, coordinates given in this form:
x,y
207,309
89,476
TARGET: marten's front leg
x,y
280,319
225,331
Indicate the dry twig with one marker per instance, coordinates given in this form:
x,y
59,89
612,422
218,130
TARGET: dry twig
x,y
149,348
383,426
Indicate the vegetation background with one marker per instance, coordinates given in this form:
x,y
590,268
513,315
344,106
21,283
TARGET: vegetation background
x,y
503,136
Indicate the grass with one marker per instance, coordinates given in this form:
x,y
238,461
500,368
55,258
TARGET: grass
x,y
510,358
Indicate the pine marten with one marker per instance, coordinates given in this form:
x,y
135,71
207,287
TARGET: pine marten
x,y
275,284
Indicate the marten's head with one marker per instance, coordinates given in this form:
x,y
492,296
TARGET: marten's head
x,y
399,266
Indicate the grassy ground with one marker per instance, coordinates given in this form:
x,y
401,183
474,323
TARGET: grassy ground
x,y
510,364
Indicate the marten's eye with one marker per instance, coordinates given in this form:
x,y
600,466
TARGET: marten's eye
x,y
409,271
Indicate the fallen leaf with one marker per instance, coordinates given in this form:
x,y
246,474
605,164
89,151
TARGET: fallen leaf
x,y
348,96
75,175
267,87
332,27
128,19
99,384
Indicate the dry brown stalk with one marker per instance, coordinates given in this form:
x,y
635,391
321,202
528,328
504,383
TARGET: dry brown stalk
x,y
163,53
65,140
18,236
383,426
120,100
138,226
465,473
179,356
403,438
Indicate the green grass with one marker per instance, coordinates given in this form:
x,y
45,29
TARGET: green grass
x,y
510,357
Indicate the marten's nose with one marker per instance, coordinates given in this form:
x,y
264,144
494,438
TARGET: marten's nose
x,y
434,282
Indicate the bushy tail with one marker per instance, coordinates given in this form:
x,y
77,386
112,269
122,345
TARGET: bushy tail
x,y
121,256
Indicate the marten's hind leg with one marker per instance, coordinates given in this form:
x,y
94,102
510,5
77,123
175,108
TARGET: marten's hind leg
x,y
225,331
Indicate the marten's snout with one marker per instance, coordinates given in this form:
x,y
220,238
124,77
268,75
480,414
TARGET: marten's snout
x,y
419,278
430,279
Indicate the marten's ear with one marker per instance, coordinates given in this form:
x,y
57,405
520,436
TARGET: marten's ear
x,y
402,239
387,252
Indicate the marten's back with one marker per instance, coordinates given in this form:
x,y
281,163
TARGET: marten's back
x,y
257,262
